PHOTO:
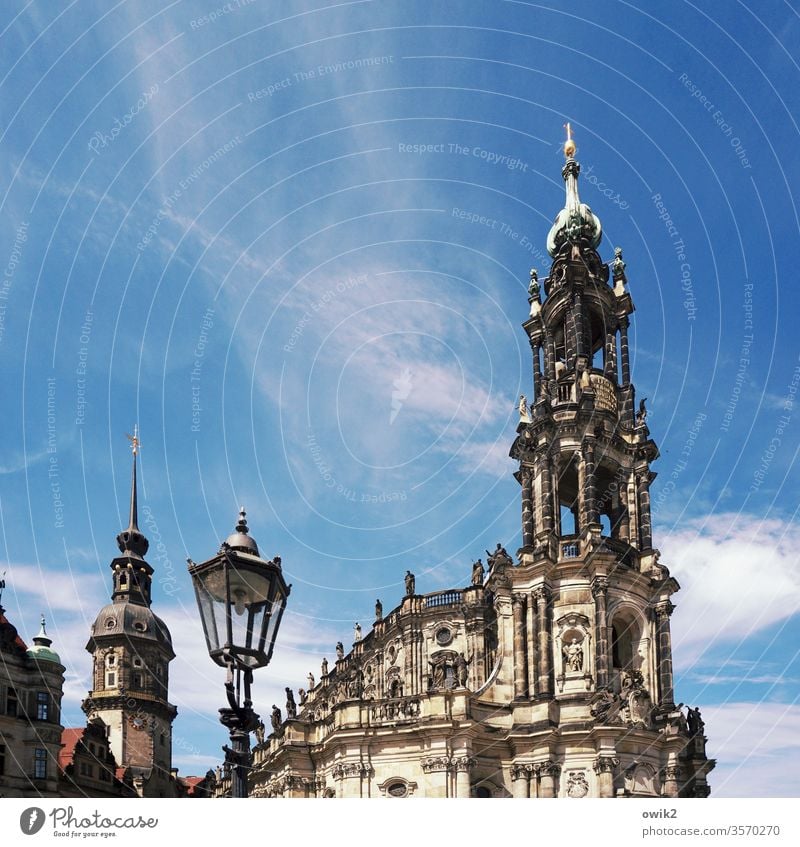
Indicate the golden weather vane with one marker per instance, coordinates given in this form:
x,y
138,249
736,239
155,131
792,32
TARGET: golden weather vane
x,y
134,439
569,144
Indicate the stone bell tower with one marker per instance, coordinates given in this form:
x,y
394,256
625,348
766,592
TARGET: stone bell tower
x,y
591,603
131,650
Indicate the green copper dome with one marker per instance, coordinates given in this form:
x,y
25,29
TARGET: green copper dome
x,y
41,647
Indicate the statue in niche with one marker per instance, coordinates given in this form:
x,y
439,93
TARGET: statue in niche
x,y
462,669
573,655
275,718
477,573
438,673
324,667
291,706
378,610
339,650
410,584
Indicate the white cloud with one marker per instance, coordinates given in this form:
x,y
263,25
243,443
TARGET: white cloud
x,y
756,746
738,575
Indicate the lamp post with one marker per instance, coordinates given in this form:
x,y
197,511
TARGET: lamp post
x,y
241,598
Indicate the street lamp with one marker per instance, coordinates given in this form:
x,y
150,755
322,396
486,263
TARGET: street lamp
x,y
241,598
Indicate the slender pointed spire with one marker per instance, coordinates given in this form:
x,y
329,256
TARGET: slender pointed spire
x,y
131,541
134,513
576,222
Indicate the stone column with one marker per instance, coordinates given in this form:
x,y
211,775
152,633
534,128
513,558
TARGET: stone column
x,y
664,653
462,765
590,483
547,493
530,628
623,348
545,681
548,776
550,356
672,776
519,781
580,337
437,772
610,369
536,346
645,529
604,767
379,680
526,479
520,664
633,512
600,594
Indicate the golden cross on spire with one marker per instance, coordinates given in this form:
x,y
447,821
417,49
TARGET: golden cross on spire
x,y
134,439
569,144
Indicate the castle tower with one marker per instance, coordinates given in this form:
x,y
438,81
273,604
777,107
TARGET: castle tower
x,y
131,649
591,602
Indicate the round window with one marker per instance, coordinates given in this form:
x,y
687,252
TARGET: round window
x,y
140,626
397,789
443,636
111,623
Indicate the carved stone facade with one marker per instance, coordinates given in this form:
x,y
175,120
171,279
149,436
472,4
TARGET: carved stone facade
x,y
553,676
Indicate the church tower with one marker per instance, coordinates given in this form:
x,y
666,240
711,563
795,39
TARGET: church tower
x,y
591,601
552,675
131,649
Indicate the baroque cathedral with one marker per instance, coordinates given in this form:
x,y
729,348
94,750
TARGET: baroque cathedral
x,y
548,676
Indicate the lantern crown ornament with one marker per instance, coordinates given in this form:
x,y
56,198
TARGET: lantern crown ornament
x,y
241,598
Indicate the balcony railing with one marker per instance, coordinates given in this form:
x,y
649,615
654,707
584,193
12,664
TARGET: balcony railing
x,y
452,597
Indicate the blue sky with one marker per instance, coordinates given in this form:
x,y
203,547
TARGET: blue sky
x,y
293,243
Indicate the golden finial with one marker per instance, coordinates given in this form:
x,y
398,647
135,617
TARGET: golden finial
x,y
134,439
569,144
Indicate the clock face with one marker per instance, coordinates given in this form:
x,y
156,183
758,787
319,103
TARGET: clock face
x,y
137,723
